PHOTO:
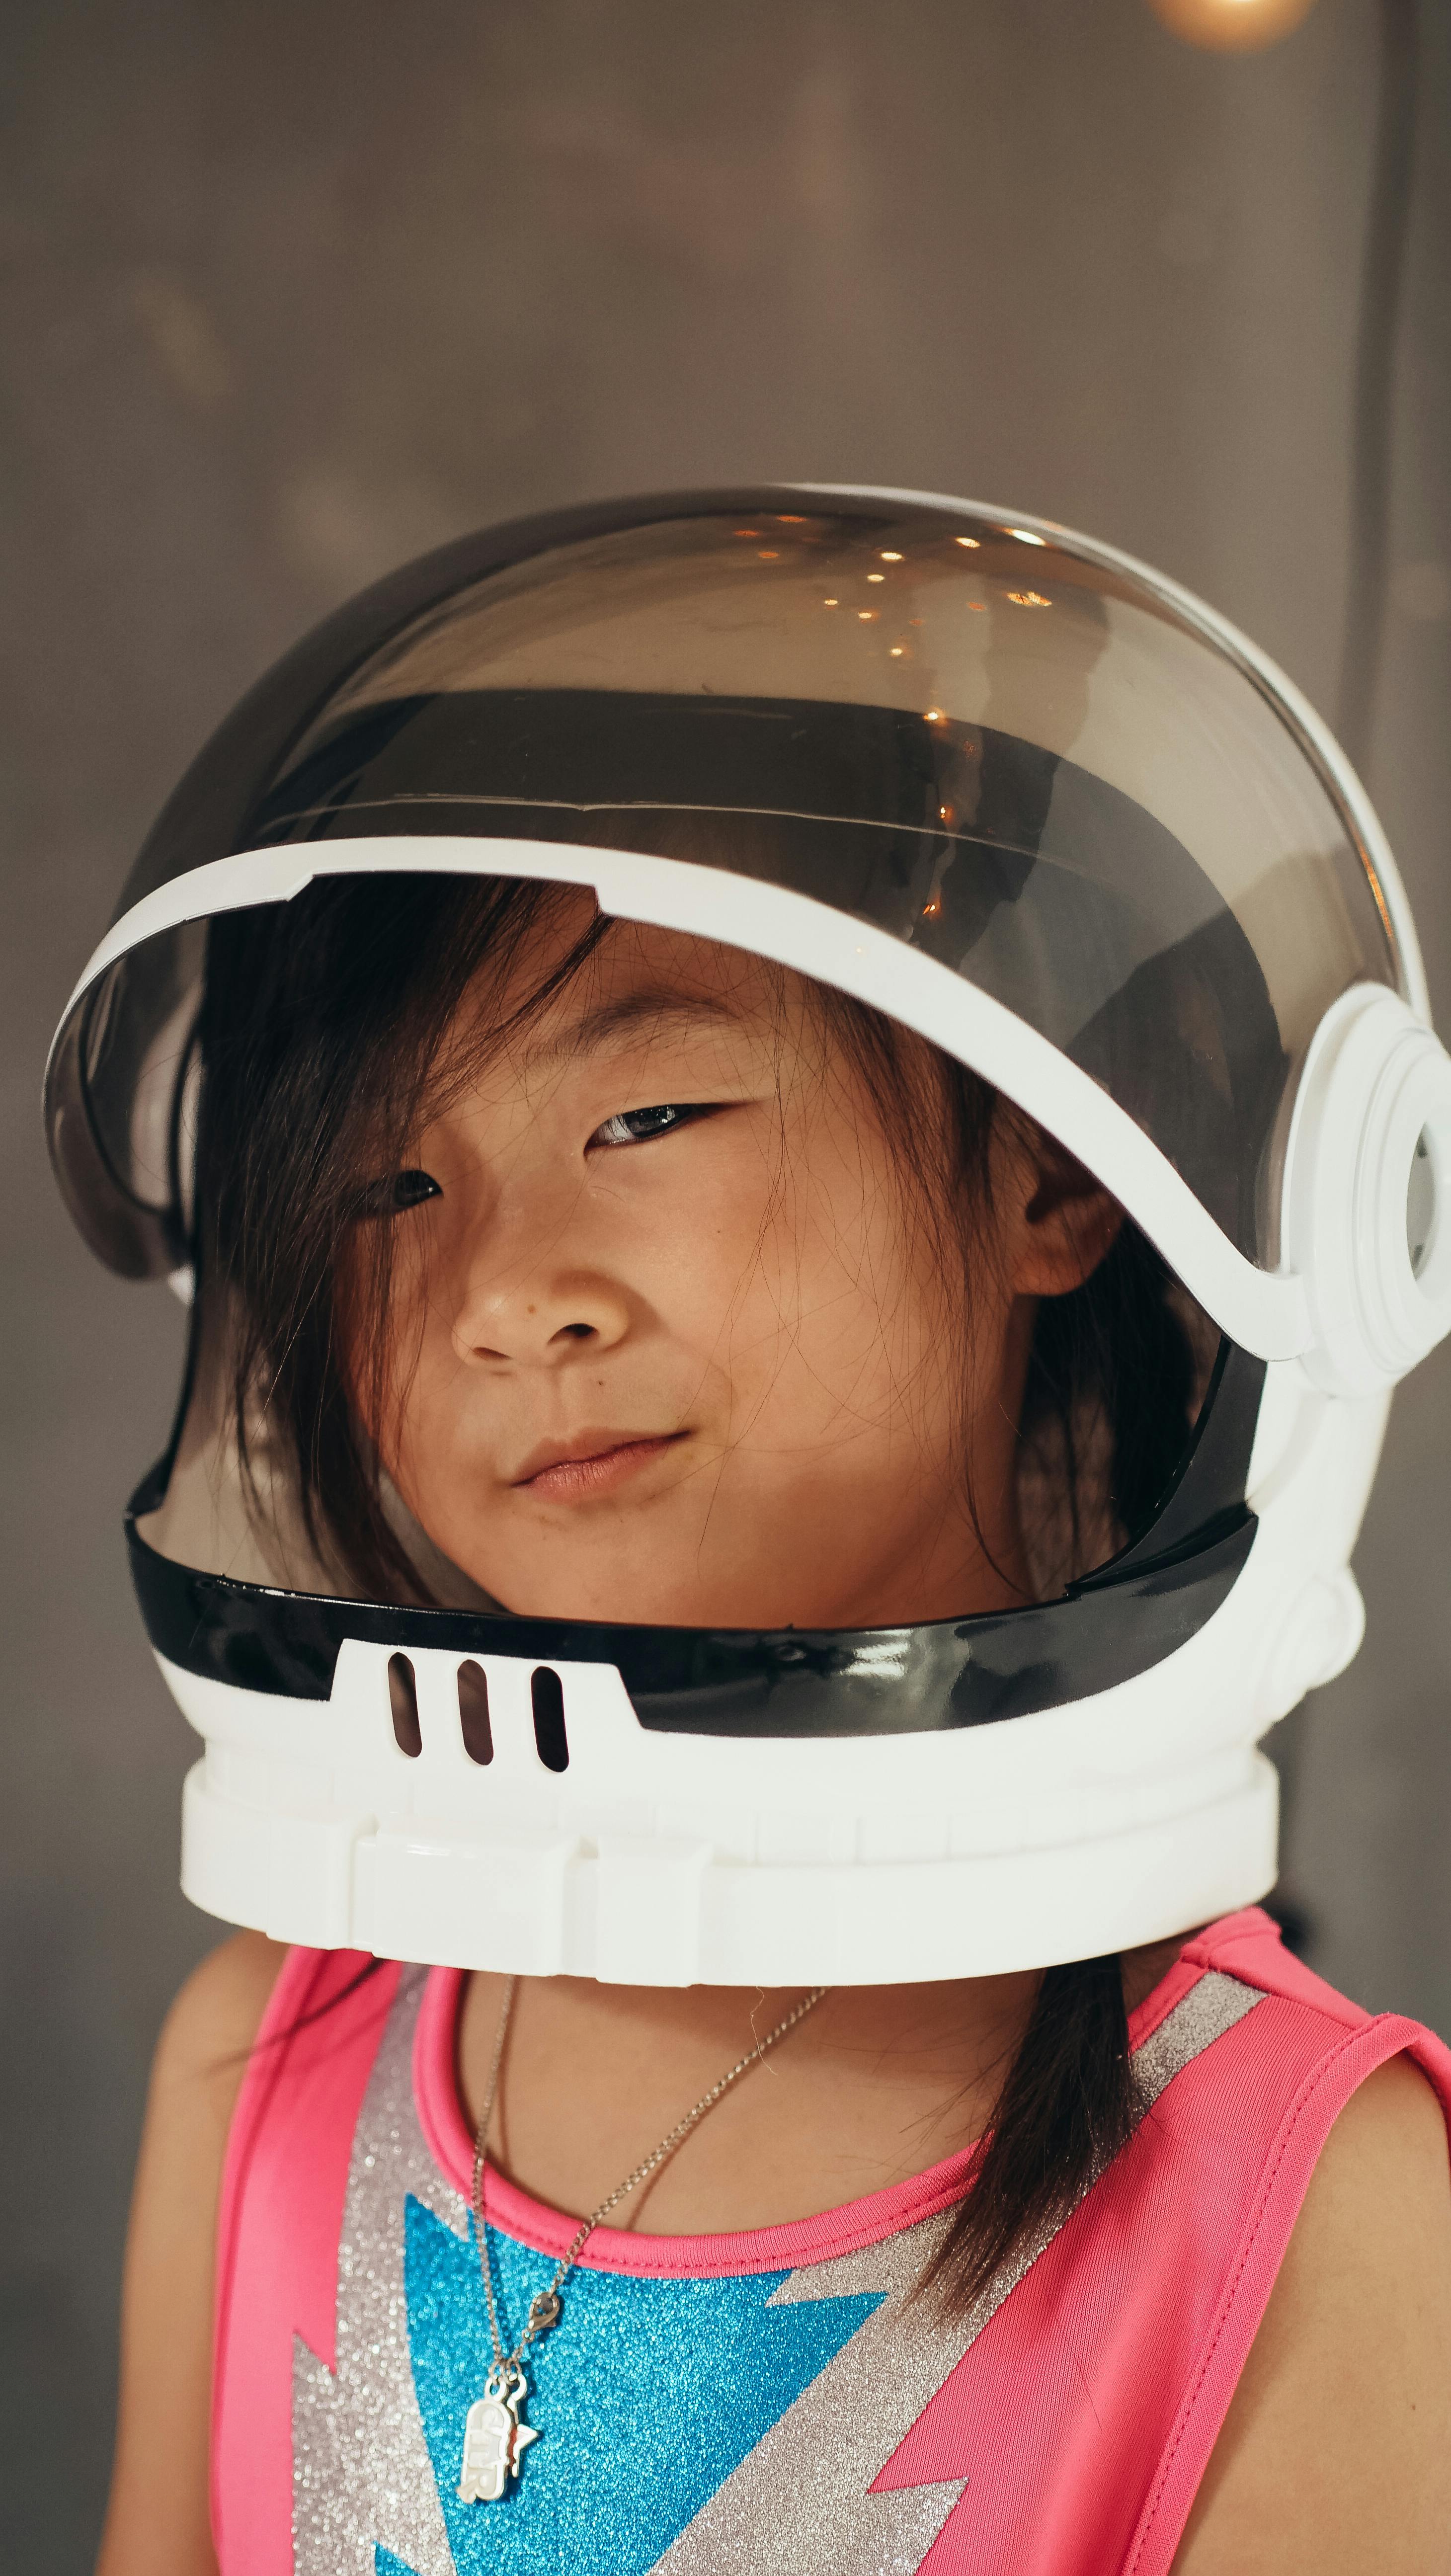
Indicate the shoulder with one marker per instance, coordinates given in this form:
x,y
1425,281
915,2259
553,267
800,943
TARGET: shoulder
x,y
202,2051
157,2521
217,2013
1390,2137
1335,2452
196,2075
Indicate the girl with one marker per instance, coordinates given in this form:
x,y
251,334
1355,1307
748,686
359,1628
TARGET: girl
x,y
760,1130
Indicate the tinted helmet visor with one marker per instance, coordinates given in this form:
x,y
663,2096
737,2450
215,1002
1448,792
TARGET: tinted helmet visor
x,y
989,744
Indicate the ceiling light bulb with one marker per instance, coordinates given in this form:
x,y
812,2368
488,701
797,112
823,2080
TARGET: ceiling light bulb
x,y
1231,26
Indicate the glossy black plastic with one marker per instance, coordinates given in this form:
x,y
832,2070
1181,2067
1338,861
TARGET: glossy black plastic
x,y
794,1682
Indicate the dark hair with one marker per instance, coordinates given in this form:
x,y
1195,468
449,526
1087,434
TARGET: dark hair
x,y
319,1033
326,1032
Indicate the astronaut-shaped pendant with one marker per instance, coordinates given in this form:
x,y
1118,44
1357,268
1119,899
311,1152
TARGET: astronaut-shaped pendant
x,y
494,2437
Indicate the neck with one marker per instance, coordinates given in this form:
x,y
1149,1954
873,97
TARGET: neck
x,y
876,2084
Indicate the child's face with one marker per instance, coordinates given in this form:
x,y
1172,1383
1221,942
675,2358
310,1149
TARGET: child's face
x,y
698,1368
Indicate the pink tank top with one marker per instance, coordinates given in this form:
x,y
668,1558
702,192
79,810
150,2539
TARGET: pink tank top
x,y
767,2404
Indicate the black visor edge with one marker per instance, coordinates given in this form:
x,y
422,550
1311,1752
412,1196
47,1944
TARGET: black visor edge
x,y
973,1671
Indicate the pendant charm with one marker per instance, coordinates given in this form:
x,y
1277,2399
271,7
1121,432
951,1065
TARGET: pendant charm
x,y
494,2437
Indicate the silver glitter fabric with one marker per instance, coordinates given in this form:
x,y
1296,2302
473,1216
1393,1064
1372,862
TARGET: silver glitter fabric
x,y
362,2480
800,2502
693,2428
1210,2008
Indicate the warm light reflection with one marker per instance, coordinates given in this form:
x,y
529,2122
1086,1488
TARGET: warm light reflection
x,y
1029,599
876,576
1231,26
888,556
934,715
969,541
831,603
1026,537
897,651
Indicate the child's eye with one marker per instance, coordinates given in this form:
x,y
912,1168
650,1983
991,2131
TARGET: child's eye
x,y
396,1192
637,1126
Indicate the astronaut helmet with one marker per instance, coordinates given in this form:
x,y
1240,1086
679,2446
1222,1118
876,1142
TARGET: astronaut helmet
x,y
1008,791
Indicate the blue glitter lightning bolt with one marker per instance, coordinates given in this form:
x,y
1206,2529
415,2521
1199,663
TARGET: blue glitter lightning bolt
x,y
646,2395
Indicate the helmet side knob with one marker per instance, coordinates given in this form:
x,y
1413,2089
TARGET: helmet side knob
x,y
1368,1193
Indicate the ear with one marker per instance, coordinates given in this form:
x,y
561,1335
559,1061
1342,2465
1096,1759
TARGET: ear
x,y
1068,1221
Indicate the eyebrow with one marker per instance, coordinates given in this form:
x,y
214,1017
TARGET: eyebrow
x,y
659,1010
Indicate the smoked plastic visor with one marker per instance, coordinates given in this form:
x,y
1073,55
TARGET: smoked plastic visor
x,y
998,748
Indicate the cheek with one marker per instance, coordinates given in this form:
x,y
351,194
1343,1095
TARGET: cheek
x,y
842,1309
694,1243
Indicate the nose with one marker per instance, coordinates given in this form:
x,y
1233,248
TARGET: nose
x,y
539,1317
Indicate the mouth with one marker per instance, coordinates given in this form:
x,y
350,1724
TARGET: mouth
x,y
591,1463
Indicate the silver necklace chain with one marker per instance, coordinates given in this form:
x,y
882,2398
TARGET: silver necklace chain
x,y
545,2307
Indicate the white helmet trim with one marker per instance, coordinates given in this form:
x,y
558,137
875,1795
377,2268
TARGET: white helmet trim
x,y
670,1859
1333,1308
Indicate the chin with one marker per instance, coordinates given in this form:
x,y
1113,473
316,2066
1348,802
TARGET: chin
x,y
626,1601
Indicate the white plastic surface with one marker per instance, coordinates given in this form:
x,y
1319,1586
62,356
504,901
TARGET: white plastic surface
x,y
1376,1083
1265,1314
1377,1079
671,1859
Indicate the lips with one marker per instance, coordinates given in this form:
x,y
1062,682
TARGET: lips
x,y
591,1463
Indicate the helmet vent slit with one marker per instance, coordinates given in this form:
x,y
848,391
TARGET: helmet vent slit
x,y
547,1693
403,1699
473,1712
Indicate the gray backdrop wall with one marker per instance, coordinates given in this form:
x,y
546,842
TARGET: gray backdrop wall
x,y
295,288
